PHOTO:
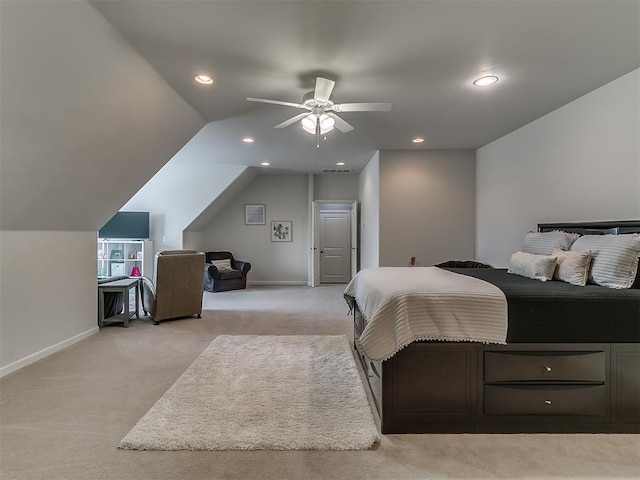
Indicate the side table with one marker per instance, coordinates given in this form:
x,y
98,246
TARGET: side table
x,y
123,286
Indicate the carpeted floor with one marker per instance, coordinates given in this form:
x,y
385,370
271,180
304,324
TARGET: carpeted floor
x,y
63,417
263,392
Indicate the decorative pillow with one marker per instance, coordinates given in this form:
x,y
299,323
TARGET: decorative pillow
x,y
544,243
572,267
222,265
538,267
615,261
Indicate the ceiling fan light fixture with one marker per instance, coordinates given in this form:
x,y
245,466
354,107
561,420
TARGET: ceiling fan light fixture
x,y
326,123
486,80
309,123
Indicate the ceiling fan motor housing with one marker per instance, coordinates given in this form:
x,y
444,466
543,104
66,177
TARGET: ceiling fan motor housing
x,y
310,101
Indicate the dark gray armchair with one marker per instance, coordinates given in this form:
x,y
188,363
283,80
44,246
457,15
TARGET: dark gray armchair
x,y
221,281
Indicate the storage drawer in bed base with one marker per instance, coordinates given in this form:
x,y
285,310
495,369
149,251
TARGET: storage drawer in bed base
x,y
546,400
441,387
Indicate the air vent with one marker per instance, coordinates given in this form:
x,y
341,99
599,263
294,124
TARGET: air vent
x,y
336,170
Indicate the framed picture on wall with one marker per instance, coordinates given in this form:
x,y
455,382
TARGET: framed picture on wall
x,y
254,214
280,231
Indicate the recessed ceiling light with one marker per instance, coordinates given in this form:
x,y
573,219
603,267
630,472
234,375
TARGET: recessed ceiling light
x,y
204,79
340,164
418,140
265,164
484,81
248,140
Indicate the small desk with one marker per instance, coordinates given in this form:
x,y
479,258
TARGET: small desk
x,y
123,286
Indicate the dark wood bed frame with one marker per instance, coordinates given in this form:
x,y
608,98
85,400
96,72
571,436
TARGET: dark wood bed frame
x,y
442,387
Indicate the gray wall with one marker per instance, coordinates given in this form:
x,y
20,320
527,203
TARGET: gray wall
x,y
47,294
85,122
578,163
286,198
369,195
335,187
427,206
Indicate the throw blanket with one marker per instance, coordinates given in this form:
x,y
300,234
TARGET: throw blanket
x,y
402,305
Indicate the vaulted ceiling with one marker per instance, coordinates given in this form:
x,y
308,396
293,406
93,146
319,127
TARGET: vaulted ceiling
x,y
420,55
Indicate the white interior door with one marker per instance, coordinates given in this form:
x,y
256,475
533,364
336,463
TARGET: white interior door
x,y
335,247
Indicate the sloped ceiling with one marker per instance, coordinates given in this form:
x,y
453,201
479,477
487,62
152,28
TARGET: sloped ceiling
x,y
85,120
92,108
419,55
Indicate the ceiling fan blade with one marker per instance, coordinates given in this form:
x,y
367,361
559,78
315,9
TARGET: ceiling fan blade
x,y
324,87
292,120
276,102
341,125
362,107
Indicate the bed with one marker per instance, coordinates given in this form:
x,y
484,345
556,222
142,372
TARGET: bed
x,y
569,360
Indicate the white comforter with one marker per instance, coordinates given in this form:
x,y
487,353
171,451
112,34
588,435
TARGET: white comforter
x,y
402,305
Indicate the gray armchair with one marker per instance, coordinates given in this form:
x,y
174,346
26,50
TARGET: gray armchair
x,y
176,289
221,281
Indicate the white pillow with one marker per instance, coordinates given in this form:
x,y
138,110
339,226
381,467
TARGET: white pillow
x,y
544,243
572,267
222,265
615,261
538,267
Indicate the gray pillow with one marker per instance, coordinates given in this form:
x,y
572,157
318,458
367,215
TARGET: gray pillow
x,y
538,267
615,261
544,243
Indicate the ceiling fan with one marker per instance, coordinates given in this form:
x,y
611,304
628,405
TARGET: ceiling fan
x,y
320,116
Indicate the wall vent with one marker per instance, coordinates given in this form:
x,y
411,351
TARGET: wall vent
x,y
336,170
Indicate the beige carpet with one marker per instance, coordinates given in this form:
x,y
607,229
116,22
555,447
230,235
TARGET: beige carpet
x,y
249,392
63,417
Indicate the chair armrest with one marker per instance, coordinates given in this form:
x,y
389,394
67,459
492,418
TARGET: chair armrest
x,y
148,295
213,271
244,267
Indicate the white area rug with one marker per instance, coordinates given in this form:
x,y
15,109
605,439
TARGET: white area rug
x,y
252,392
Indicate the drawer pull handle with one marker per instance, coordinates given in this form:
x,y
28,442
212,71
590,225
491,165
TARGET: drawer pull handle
x,y
548,402
547,368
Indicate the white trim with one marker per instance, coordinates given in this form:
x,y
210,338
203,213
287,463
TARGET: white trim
x,y
34,357
277,282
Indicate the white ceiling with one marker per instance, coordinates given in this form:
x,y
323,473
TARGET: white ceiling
x,y
419,55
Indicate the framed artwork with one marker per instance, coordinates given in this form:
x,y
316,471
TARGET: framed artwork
x,y
254,214
280,231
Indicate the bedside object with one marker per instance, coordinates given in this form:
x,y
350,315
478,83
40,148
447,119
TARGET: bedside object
x,y
117,269
122,286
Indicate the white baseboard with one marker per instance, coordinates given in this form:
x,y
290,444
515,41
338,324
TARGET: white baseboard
x,y
34,357
277,282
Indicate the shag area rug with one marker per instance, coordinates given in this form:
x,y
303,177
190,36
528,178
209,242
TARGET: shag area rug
x,y
253,392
